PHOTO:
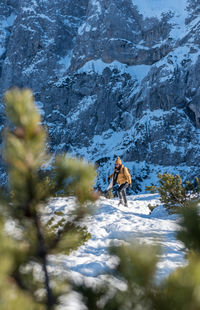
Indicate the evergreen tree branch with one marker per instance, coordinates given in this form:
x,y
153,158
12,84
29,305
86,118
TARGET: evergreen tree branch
x,y
42,253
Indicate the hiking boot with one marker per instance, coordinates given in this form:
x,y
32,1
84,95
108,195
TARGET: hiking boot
x,y
120,203
126,204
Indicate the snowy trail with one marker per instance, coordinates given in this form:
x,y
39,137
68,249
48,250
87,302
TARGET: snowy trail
x,y
114,224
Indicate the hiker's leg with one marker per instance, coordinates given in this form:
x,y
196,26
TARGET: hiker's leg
x,y
119,193
124,196
124,193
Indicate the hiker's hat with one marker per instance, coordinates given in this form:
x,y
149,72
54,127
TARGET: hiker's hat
x,y
118,161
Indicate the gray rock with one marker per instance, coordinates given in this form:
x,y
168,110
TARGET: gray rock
x,y
109,81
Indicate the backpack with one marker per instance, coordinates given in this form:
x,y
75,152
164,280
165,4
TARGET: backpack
x,y
128,172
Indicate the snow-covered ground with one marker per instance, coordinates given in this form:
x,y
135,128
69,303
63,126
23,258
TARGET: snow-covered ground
x,y
116,224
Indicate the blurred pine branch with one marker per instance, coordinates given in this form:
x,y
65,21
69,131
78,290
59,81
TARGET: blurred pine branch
x,y
30,188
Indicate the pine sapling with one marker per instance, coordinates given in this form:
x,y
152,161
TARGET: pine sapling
x,y
30,188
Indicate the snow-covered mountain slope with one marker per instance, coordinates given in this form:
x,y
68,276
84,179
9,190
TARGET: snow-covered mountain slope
x,y
113,224
116,224
111,79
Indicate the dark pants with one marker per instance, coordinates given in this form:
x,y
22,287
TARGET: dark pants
x,y
121,192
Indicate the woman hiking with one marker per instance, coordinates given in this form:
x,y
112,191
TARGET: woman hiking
x,y
121,176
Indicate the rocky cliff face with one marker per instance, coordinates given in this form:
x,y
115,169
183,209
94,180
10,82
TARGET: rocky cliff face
x,y
111,78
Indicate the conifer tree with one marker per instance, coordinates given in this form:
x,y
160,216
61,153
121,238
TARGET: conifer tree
x,y
180,291
171,190
173,193
30,188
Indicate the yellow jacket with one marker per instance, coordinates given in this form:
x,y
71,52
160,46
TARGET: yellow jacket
x,y
123,176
